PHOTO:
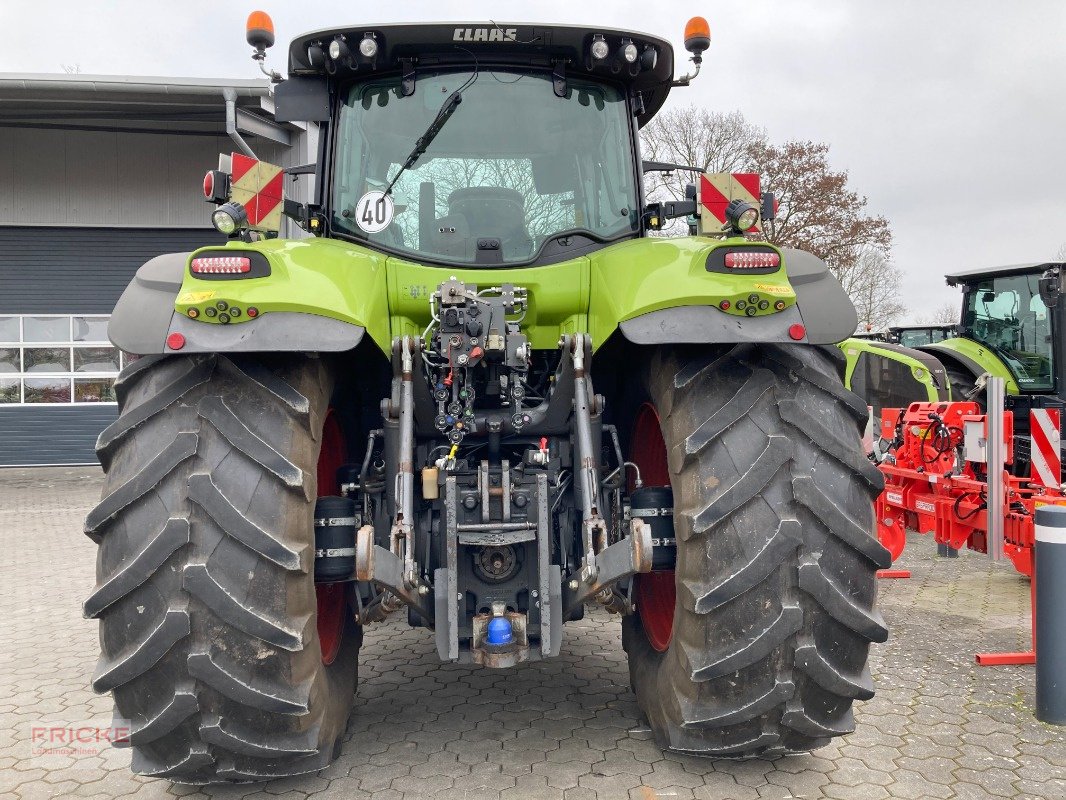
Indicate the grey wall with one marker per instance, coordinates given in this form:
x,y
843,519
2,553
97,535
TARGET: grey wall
x,y
52,434
80,270
83,178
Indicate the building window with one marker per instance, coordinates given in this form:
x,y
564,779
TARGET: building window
x,y
57,359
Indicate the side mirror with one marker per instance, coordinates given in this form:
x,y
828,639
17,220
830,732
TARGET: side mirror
x,y
259,31
1051,287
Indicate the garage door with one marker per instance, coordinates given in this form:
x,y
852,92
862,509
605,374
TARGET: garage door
x,y
57,369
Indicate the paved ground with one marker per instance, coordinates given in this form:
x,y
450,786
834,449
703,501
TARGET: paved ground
x,y
940,727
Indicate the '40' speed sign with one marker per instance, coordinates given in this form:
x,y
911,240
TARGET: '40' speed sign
x,y
374,211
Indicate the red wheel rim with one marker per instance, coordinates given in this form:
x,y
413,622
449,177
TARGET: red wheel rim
x,y
332,597
654,592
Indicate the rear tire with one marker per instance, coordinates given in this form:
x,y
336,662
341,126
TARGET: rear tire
x,y
776,557
206,594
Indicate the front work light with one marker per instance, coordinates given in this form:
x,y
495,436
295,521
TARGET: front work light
x,y
338,49
599,47
228,218
316,56
741,216
368,47
628,51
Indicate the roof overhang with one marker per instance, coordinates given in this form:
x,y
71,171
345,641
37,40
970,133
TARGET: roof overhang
x,y
136,104
971,275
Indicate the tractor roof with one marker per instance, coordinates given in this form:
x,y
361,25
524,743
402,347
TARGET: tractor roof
x,y
971,275
514,45
918,327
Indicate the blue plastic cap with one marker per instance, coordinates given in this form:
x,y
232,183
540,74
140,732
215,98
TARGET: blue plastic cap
x,y
499,631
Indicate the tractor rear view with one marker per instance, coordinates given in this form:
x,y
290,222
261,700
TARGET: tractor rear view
x,y
479,397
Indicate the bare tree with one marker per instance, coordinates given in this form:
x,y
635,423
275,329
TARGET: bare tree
x,y
944,314
713,141
817,210
1060,254
71,69
872,282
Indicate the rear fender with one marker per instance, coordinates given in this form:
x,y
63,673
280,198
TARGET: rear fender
x,y
972,357
309,295
663,291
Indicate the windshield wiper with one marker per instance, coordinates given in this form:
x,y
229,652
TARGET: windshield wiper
x,y
426,139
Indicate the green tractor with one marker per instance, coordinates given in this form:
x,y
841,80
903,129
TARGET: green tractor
x,y
396,415
918,335
889,375
1012,327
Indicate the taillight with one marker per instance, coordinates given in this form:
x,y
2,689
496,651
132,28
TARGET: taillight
x,y
221,265
750,260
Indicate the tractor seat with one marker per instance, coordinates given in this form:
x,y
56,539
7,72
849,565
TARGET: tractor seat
x,y
496,212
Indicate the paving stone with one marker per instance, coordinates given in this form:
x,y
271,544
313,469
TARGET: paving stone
x,y
563,729
562,775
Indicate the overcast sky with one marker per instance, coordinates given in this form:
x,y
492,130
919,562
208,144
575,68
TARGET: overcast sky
x,y
948,115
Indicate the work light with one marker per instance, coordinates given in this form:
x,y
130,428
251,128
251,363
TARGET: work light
x,y
741,216
229,217
316,56
599,47
338,49
368,47
628,51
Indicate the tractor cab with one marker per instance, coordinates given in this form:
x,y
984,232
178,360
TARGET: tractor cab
x,y
1011,327
479,144
918,335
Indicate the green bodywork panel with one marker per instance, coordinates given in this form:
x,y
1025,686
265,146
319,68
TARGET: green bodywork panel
x,y
644,275
983,355
853,348
389,296
328,277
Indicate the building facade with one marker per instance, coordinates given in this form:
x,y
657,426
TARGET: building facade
x,y
98,174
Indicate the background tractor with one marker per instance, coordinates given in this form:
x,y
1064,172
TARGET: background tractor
x,y
479,395
890,375
1012,327
918,335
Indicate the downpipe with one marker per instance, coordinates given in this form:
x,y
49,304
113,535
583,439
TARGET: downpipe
x,y
230,96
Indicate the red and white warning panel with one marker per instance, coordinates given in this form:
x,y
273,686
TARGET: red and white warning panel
x,y
258,186
717,190
1045,452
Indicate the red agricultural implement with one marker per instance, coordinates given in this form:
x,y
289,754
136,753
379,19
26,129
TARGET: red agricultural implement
x,y
936,481
935,459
